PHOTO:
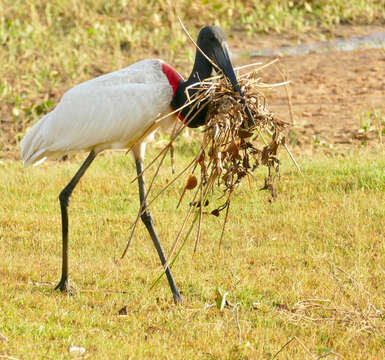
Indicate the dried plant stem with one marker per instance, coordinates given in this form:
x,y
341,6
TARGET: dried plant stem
x,y
200,215
165,149
196,45
261,136
175,134
288,95
293,159
141,211
304,347
225,221
280,350
290,155
247,66
172,159
267,64
142,208
181,230
238,325
177,254
173,246
193,162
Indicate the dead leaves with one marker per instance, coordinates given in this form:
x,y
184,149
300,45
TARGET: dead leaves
x,y
232,148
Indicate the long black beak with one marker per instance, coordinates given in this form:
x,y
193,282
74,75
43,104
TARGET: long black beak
x,y
222,59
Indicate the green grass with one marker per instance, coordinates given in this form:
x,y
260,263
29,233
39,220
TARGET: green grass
x,y
372,126
307,269
322,239
48,46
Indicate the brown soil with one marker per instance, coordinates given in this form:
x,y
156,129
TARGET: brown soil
x,y
330,94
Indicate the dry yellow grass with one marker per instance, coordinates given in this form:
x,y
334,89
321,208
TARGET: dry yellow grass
x,y
304,275
307,268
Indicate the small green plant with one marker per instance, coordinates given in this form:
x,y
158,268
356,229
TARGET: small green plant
x,y
372,124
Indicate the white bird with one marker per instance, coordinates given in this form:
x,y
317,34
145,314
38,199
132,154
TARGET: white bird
x,y
115,111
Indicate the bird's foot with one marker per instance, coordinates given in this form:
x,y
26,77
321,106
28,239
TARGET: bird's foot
x,y
177,298
64,286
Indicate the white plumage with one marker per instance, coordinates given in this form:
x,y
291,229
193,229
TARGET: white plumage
x,y
108,112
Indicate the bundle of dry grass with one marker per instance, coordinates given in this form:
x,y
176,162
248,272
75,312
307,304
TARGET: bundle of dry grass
x,y
229,150
233,147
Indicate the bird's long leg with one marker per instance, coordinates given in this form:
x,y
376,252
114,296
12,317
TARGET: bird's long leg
x,y
147,220
64,198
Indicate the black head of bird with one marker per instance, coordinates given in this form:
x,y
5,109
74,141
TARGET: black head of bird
x,y
212,42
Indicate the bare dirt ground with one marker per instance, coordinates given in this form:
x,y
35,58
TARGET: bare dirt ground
x,y
334,95
331,94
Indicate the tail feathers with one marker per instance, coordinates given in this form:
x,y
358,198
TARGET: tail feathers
x,y
32,145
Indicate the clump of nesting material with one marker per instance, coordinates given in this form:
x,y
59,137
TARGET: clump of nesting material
x,y
230,150
232,147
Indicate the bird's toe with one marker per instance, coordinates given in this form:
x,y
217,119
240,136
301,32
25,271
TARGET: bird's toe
x,y
177,298
64,286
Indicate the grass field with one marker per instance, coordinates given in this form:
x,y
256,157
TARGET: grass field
x,y
48,46
307,268
304,275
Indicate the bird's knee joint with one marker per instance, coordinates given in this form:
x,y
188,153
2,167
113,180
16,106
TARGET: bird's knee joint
x,y
146,217
64,198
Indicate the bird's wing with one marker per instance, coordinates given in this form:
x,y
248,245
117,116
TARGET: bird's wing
x,y
110,111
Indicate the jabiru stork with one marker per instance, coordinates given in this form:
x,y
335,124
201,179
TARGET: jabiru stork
x,y
113,111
